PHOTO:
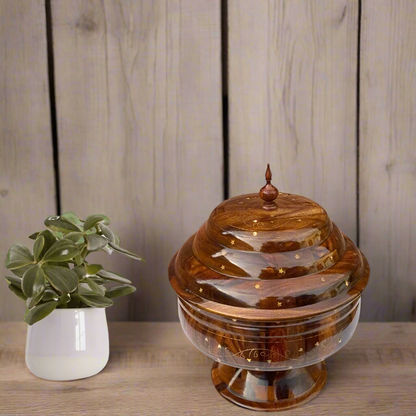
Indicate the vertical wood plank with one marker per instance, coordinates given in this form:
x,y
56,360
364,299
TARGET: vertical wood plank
x,y
138,89
292,95
388,157
27,184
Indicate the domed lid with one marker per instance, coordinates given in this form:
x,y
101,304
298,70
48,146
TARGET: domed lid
x,y
269,256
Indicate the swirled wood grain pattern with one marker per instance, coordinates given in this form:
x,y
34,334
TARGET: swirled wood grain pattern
x,y
269,292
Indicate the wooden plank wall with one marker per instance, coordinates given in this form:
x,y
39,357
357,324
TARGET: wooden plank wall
x,y
324,90
292,100
138,100
388,157
27,182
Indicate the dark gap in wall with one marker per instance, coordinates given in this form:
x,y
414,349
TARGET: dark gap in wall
x,y
52,101
224,81
358,121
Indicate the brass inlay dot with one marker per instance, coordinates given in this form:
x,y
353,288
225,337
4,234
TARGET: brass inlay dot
x,y
339,342
232,242
257,286
254,220
249,359
206,339
222,267
235,320
269,361
300,349
317,344
219,346
347,284
299,220
200,289
297,257
254,233
323,279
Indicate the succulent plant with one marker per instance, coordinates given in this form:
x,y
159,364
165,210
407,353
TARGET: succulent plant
x,y
57,275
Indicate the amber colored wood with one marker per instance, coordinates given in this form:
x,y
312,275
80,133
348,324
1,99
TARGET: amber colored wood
x,y
388,157
27,179
244,260
155,371
292,81
268,390
269,192
138,97
269,294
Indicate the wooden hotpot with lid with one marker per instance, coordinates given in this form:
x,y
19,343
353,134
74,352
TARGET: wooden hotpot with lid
x,y
268,288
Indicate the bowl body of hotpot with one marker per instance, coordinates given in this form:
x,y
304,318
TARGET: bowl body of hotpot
x,y
269,345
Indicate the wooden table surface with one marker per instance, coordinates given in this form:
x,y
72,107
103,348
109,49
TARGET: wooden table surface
x,y
154,370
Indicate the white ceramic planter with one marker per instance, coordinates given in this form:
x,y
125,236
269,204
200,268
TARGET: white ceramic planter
x,y
68,344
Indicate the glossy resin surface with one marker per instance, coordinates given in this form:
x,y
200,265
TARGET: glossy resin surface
x,y
269,346
269,284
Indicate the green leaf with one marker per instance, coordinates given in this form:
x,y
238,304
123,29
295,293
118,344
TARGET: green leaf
x,y
94,287
62,250
118,241
95,242
20,272
80,271
62,279
118,291
112,276
93,268
107,249
31,302
18,256
15,281
83,289
50,240
93,220
17,292
75,237
39,312
95,301
98,280
33,281
59,263
59,224
71,217
73,303
78,259
124,251
49,295
38,247
34,236
107,233
64,299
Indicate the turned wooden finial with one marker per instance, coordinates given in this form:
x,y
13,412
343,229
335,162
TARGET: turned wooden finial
x,y
269,192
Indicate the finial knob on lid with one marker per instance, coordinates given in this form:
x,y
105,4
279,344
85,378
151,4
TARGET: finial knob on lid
x,y
269,192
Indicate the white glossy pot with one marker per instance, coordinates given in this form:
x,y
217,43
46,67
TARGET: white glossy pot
x,y
68,344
